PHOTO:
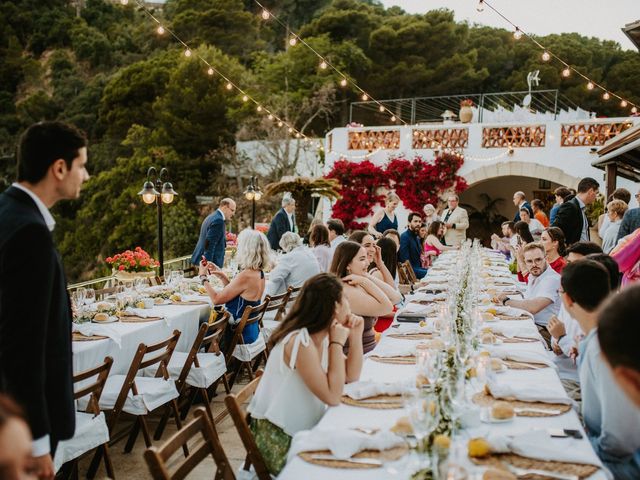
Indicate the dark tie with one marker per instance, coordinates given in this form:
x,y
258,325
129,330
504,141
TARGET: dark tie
x,y
449,212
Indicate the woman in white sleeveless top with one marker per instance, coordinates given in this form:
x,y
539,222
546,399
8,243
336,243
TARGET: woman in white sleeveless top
x,y
307,369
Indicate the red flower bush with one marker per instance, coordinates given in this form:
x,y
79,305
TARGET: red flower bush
x,y
132,261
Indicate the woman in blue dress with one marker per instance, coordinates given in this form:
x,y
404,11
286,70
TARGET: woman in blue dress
x,y
385,218
247,287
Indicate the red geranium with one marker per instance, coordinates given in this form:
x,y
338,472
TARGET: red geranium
x,y
132,261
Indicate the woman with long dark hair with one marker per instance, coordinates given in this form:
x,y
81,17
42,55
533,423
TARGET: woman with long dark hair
x,y
374,257
307,368
389,257
523,236
552,239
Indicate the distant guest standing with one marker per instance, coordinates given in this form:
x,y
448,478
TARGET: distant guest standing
x,y
561,193
35,328
456,222
385,218
571,217
283,221
213,234
538,212
520,201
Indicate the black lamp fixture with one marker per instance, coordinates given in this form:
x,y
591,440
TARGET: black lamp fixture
x,y
155,190
254,194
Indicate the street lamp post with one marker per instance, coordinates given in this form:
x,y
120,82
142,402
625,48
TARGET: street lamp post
x,y
155,190
254,194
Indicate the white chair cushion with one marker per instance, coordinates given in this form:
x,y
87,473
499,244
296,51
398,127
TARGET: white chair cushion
x,y
152,393
91,432
246,353
269,327
211,368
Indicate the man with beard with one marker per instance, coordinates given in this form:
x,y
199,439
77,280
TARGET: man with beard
x,y
411,246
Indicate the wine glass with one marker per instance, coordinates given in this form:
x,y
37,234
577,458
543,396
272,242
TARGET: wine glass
x,y
422,409
89,296
429,364
139,284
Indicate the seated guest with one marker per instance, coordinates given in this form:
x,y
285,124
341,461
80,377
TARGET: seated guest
x,y
535,227
432,244
522,237
410,246
247,287
552,239
374,256
385,218
611,420
368,297
314,222
15,443
541,297
580,250
296,266
393,235
307,368
367,241
503,244
615,212
389,258
320,246
618,333
336,232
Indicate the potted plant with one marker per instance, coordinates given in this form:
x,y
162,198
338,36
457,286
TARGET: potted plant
x,y
466,112
132,264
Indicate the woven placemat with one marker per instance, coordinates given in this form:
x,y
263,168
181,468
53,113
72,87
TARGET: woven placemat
x,y
190,302
134,319
513,365
379,402
499,460
79,337
411,336
411,360
506,339
508,317
485,400
389,455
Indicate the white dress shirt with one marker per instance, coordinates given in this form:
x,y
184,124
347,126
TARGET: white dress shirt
x,y
610,238
584,235
337,241
567,369
42,208
545,286
293,269
324,255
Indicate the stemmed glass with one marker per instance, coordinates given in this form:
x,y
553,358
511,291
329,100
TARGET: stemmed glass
x,y
81,294
89,296
139,284
428,362
423,412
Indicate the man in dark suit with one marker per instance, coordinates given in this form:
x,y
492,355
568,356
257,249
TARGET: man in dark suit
x,y
410,246
283,221
630,220
35,314
212,242
520,201
571,217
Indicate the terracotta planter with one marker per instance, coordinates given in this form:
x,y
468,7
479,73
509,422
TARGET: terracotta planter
x,y
465,114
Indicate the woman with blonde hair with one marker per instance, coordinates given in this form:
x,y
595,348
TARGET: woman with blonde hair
x,y
385,218
246,288
615,212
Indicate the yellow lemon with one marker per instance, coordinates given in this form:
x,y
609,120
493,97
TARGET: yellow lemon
x,y
139,304
478,448
442,441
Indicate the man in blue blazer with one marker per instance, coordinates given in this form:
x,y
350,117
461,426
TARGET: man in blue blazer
x,y
213,234
410,246
283,221
520,201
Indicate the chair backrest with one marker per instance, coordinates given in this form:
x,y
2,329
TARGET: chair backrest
x,y
278,303
103,292
250,316
241,419
409,271
95,388
157,457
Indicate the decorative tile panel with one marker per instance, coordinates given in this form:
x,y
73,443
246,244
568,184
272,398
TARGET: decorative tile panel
x,y
590,134
440,137
517,137
374,140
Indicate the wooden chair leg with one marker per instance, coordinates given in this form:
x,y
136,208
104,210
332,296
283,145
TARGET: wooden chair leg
x,y
174,407
95,463
162,424
191,397
225,382
133,435
145,431
207,402
108,465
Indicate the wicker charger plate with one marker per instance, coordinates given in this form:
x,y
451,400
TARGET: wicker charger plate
x,y
411,336
190,302
79,337
485,400
513,365
410,360
515,339
508,317
385,402
389,455
135,319
499,460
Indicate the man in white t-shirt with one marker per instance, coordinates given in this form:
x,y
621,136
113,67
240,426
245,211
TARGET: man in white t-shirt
x,y
541,298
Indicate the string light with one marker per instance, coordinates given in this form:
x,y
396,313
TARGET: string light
x,y
590,86
606,96
343,82
634,109
187,53
259,108
280,123
623,104
124,2
210,71
293,41
546,56
393,118
265,14
381,108
245,98
365,97
160,30
270,117
517,34
229,86
566,72
323,65
480,6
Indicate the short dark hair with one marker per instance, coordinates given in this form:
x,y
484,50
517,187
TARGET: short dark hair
x,y
611,265
622,194
537,203
510,225
42,144
319,235
586,282
336,225
413,215
583,248
619,329
563,192
586,183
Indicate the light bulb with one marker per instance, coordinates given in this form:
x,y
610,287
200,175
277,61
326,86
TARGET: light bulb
x,y
606,96
480,7
124,2
566,72
623,103
148,198
290,130
257,196
265,15
590,86
343,82
634,109
280,123
160,30
245,98
293,41
250,195
210,71
297,135
517,34
187,53
229,86
323,65
365,97
393,118
546,56
259,108
270,117
167,197
381,108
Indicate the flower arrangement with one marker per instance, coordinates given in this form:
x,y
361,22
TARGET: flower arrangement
x,y
232,239
136,260
262,228
467,102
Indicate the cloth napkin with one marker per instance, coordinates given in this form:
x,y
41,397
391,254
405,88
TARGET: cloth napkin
x,y
364,389
528,392
430,297
511,331
401,348
410,330
107,330
435,278
342,443
540,445
519,354
140,312
417,297
416,308
509,311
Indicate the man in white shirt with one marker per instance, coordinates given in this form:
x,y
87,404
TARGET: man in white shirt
x,y
611,420
541,298
336,232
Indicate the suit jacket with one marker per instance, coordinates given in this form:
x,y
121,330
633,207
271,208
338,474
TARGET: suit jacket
x,y
35,320
460,218
212,241
293,269
630,222
570,220
279,225
410,249
526,205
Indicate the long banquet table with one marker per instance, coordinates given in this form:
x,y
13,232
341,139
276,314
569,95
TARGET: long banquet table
x,y
345,416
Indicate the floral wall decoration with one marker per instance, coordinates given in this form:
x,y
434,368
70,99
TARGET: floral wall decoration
x,y
416,182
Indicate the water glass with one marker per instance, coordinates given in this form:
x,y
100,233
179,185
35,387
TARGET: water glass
x,y
89,296
81,293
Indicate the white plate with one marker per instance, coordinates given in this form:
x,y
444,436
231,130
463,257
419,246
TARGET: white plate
x,y
485,417
112,319
166,301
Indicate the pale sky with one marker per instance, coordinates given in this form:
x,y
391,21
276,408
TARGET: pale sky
x,y
593,18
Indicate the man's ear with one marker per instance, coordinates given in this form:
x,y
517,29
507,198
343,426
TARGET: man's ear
x,y
59,169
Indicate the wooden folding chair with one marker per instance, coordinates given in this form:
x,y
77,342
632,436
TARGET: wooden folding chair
x,y
241,420
93,390
103,292
250,316
277,303
129,383
410,273
157,457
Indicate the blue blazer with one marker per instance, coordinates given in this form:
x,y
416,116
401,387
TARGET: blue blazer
x,y
410,249
213,240
279,225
